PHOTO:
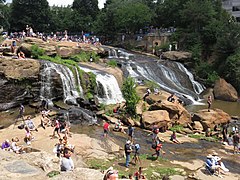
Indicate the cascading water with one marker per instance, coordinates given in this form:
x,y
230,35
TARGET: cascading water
x,y
108,91
49,71
170,76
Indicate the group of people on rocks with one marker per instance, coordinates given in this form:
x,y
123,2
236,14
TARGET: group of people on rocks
x,y
63,149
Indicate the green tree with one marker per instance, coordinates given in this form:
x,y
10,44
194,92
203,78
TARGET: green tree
x,y
61,18
86,7
4,15
30,12
130,95
132,15
232,70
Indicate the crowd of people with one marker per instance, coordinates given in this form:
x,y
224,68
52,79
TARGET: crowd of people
x,y
63,149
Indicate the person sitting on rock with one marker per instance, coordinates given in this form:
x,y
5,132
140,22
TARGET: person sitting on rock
x,y
21,55
139,174
146,94
6,146
29,123
118,127
15,147
174,138
66,161
171,98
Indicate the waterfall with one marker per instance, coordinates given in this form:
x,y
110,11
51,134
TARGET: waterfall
x,y
79,82
108,91
68,81
198,88
112,53
118,53
171,76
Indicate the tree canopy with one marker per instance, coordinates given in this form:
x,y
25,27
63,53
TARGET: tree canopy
x,y
30,12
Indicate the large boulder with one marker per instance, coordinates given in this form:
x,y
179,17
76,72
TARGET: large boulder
x,y
159,117
18,81
177,113
176,55
225,91
212,118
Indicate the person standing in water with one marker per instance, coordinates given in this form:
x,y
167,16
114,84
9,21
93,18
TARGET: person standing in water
x,y
209,101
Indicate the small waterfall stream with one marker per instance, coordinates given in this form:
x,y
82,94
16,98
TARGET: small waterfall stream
x,y
108,91
48,74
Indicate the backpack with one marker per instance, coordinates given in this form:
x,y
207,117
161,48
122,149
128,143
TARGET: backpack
x,y
154,145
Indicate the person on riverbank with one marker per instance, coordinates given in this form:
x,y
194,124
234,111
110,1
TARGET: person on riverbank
x,y
209,101
6,146
56,129
111,174
15,147
128,150
158,148
30,124
171,98
118,127
45,121
59,147
136,157
106,129
174,139
130,132
66,161
218,161
21,112
146,94
28,137
236,141
139,174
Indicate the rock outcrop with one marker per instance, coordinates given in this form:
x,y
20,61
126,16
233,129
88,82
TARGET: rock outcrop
x,y
176,55
225,91
177,113
159,118
212,118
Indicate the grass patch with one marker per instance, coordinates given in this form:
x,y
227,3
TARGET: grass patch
x,y
112,63
202,137
176,128
161,166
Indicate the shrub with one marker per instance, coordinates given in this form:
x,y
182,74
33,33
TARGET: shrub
x,y
36,51
130,95
112,63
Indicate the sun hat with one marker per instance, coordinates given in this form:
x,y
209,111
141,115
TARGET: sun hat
x,y
128,142
209,156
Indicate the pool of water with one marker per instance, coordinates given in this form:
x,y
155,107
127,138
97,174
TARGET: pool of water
x,y
232,108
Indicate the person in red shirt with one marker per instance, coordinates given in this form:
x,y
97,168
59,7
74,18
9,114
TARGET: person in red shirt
x,y
106,129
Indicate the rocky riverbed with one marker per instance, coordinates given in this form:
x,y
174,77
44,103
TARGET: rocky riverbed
x,y
40,160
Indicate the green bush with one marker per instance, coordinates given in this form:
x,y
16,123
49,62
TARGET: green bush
x,y
112,63
36,51
130,95
151,85
176,128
